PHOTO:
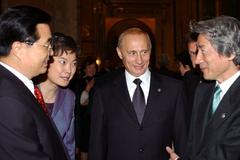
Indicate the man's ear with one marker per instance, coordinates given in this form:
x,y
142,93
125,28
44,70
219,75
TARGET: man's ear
x,y
119,53
16,49
232,56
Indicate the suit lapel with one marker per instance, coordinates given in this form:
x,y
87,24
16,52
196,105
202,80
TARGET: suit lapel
x,y
26,94
226,106
154,91
204,105
122,94
224,110
58,102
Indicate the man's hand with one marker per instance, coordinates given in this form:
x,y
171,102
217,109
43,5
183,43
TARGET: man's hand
x,y
173,155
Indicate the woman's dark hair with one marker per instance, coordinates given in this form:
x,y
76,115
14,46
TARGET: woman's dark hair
x,y
62,43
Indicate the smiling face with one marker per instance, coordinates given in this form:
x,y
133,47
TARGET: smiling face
x,y
62,69
135,53
213,65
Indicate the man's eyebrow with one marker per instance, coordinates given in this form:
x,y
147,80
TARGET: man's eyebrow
x,y
49,39
200,45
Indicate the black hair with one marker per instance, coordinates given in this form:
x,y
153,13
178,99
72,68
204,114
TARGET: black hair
x,y
88,61
191,37
184,58
62,43
19,24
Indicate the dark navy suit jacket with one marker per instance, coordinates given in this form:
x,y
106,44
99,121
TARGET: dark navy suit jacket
x,y
215,137
115,131
26,133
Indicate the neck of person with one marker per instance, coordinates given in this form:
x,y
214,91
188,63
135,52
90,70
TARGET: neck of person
x,y
228,74
49,91
16,64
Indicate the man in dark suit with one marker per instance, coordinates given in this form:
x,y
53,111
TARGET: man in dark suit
x,y
190,72
26,132
121,129
215,125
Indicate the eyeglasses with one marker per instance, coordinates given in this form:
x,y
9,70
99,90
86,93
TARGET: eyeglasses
x,y
47,46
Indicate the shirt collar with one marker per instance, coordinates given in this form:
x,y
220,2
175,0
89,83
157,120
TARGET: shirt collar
x,y
227,83
27,82
145,78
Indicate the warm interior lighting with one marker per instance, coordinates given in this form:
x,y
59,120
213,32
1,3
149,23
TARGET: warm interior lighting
x,y
98,61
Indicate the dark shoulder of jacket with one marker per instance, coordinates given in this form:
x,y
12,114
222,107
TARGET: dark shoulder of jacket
x,y
165,79
108,78
204,84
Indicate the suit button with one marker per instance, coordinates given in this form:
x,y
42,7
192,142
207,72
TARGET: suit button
x,y
141,150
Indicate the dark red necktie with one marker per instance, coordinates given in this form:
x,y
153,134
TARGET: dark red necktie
x,y
40,100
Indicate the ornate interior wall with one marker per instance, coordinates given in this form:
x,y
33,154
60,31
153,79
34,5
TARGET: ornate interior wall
x,y
95,23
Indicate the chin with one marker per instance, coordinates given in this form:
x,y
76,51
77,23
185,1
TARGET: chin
x,y
63,84
43,71
207,77
141,72
138,74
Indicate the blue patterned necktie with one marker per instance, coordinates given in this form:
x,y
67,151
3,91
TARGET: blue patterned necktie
x,y
138,100
216,98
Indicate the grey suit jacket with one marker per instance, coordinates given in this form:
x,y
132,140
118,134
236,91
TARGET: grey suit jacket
x,y
26,133
115,131
215,137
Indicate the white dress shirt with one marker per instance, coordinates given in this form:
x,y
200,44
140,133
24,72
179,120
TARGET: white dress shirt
x,y
227,84
27,82
145,85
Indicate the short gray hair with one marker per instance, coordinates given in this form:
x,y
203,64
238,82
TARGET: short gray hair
x,y
223,32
